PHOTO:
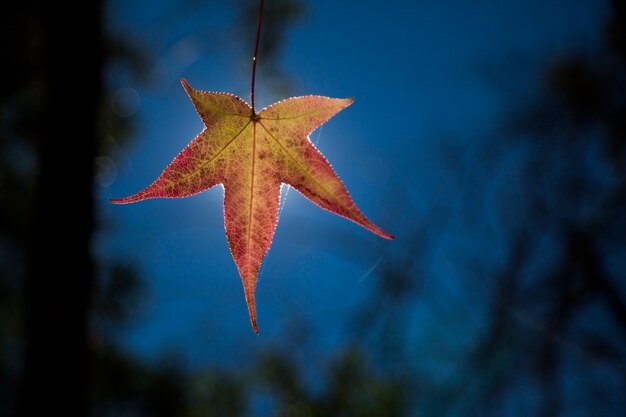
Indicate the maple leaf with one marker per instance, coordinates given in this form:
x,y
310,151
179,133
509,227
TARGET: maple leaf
x,y
252,155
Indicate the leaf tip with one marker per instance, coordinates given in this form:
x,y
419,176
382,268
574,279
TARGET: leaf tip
x,y
127,200
388,236
186,85
346,101
380,232
255,327
249,293
376,230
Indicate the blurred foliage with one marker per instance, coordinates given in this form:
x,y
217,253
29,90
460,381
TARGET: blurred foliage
x,y
555,331
351,388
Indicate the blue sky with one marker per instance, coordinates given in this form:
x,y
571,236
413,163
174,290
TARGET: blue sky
x,y
424,75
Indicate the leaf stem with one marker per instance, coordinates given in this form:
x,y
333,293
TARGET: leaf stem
x,y
256,52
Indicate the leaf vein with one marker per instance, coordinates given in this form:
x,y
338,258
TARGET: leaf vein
x,y
207,162
299,115
306,171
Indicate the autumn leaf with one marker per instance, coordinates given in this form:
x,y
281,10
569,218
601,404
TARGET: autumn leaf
x,y
252,155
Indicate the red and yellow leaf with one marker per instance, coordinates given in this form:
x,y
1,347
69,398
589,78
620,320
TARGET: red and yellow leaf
x,y
252,155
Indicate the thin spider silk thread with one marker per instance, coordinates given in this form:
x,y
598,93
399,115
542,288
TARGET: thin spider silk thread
x,y
288,187
372,268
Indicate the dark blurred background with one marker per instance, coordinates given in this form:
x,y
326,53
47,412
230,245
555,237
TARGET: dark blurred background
x,y
489,137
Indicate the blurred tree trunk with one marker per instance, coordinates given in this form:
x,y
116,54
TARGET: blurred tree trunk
x,y
60,269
